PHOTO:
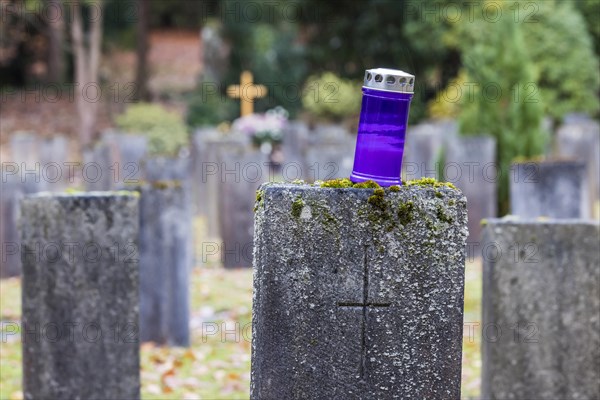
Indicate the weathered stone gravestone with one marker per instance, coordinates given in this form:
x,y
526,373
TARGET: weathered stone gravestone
x,y
165,263
54,159
358,295
246,170
212,170
24,148
424,147
555,189
470,164
295,145
199,156
541,307
581,141
116,161
80,296
329,162
11,191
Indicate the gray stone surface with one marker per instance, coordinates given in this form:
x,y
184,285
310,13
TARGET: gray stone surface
x,y
165,263
555,189
358,299
326,162
541,302
11,191
96,173
127,154
54,153
470,164
295,145
25,152
581,141
424,147
80,296
212,171
237,196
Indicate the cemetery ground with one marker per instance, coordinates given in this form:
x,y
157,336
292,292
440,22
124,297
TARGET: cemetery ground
x,y
213,368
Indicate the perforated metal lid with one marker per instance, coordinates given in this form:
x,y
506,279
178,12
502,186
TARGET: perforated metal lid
x,y
392,80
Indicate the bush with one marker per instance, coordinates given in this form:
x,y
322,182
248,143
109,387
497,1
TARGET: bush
x,y
165,130
331,97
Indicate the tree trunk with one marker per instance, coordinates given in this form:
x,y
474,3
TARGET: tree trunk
x,y
87,62
56,26
141,80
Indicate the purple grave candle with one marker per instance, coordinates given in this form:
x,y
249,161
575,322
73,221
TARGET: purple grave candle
x,y
382,127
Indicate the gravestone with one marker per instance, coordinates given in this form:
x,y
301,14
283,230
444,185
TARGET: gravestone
x,y
127,155
541,302
11,190
96,172
247,169
326,162
555,189
581,141
470,164
212,170
165,263
424,148
54,153
215,55
25,151
80,296
199,156
358,295
295,145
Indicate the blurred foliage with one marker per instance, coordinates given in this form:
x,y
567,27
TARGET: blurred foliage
x,y
329,97
505,101
165,130
562,51
209,108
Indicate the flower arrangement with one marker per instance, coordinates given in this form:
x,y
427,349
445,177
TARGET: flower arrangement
x,y
265,130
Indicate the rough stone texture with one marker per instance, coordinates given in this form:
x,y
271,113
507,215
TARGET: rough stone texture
x,y
165,263
80,296
555,189
581,141
470,164
320,254
237,196
541,290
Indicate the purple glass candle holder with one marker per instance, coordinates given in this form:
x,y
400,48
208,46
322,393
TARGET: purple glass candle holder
x,y
382,127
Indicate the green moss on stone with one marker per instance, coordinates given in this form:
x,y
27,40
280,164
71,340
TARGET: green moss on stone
x,y
442,215
337,183
394,188
405,212
367,185
297,207
430,182
165,184
377,199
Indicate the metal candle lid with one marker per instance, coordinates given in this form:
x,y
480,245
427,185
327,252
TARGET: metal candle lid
x,y
391,80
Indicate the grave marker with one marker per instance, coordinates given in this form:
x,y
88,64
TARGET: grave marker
x,y
541,302
80,296
357,295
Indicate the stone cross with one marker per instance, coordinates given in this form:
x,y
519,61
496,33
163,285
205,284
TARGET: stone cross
x,y
246,91
364,305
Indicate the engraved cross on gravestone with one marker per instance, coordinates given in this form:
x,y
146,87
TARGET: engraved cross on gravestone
x,y
364,306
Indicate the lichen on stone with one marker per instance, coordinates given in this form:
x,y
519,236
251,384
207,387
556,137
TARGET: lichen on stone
x,y
297,207
430,182
405,212
259,199
394,188
377,199
337,183
442,215
367,185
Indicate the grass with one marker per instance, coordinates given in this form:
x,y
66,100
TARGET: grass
x,y
215,366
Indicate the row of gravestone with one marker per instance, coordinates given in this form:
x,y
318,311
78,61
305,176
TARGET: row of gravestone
x,y
346,304
165,216
227,172
224,172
